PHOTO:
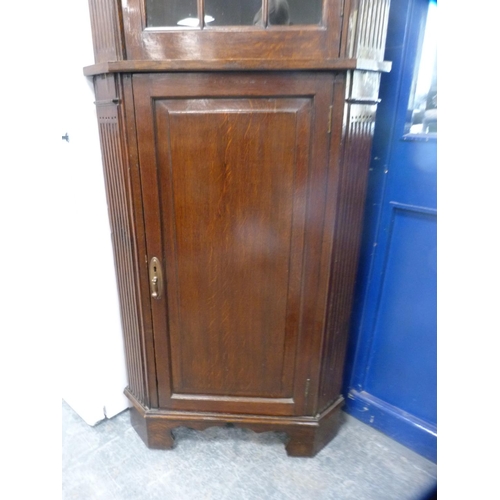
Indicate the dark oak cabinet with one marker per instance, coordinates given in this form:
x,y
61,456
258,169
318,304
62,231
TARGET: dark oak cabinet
x,y
235,163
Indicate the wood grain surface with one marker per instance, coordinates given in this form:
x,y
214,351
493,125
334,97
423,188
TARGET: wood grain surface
x,y
235,189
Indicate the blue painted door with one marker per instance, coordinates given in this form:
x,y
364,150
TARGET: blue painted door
x,y
391,368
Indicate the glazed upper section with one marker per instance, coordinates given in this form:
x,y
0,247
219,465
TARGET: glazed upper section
x,y
274,33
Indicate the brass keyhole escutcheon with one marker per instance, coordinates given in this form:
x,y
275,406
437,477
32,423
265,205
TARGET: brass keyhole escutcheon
x,y
155,278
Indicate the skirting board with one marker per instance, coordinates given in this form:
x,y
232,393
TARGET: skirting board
x,y
416,434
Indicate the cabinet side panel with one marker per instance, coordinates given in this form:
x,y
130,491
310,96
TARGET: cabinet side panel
x,y
107,32
365,29
358,128
115,175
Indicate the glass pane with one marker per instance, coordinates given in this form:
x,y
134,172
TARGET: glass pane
x,y
167,13
284,12
231,12
423,102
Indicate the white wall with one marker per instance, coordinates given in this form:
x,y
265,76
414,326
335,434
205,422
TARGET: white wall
x,y
60,333
93,369
59,310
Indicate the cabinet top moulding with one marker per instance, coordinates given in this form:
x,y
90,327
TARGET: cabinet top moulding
x,y
172,65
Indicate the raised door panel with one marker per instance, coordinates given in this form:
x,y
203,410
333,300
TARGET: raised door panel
x,y
227,182
234,254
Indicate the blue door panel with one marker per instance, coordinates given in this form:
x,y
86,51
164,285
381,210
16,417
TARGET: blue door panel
x,y
390,375
415,184
401,369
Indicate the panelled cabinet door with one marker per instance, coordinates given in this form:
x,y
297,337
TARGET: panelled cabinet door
x,y
234,172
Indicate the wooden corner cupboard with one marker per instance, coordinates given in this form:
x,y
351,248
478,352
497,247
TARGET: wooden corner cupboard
x,y
235,139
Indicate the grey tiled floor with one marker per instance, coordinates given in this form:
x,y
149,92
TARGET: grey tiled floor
x,y
110,462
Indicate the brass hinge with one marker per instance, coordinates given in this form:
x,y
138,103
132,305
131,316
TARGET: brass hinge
x,y
308,383
330,114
